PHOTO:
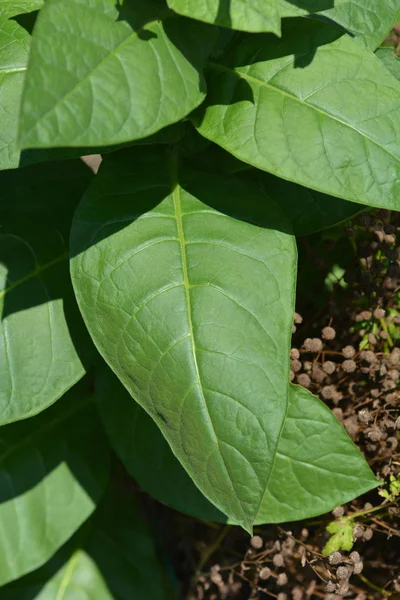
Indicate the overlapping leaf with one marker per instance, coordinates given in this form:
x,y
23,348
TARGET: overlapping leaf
x,y
317,467
115,73
10,8
192,306
390,60
313,108
53,470
112,557
40,324
245,15
14,47
369,20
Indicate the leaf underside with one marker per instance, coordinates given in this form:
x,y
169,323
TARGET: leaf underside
x,y
200,339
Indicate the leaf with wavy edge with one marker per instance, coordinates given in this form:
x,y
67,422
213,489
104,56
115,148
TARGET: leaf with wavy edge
x,y
317,466
320,111
192,308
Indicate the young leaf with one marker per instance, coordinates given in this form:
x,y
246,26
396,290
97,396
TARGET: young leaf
x,y
320,111
112,557
192,308
14,47
317,466
40,324
245,15
11,8
114,74
370,20
53,470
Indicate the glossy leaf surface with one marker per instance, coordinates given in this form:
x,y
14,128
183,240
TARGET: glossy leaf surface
x,y
40,324
53,470
313,108
112,557
317,466
245,15
14,47
192,308
116,73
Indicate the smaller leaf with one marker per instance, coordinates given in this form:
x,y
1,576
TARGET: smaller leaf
x,y
53,471
342,537
390,59
11,8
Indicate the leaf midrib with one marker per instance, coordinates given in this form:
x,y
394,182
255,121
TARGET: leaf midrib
x,y
267,85
186,285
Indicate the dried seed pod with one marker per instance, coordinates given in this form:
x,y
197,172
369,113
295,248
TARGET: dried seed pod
x,y
379,313
348,351
328,391
338,412
372,339
295,365
343,572
291,376
256,542
354,557
349,366
395,356
329,367
392,442
364,416
368,356
265,573
278,560
298,319
282,579
328,333
313,345
294,354
304,380
366,315
358,531
338,512
335,558
297,593
358,567
282,596
375,435
318,374
330,587
343,587
351,426
368,534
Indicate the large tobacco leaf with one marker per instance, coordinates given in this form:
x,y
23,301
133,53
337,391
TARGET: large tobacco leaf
x,y
14,47
315,108
53,470
40,326
115,73
369,20
317,466
246,15
191,305
112,557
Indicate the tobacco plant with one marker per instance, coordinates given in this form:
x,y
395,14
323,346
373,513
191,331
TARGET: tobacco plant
x,y
227,128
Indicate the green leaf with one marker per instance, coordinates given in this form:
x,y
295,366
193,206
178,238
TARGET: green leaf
x,y
53,470
313,109
390,60
112,557
11,8
115,73
309,211
245,15
317,466
369,20
342,537
192,308
14,47
40,325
